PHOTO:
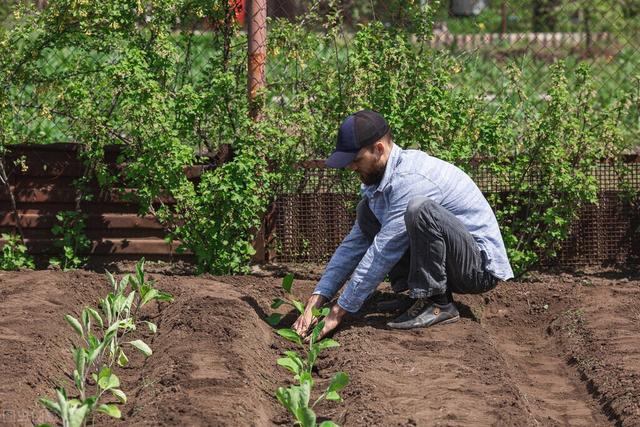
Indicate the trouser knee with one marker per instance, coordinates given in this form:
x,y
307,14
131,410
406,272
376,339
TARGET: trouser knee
x,y
419,210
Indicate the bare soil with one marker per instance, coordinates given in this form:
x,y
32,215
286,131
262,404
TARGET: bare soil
x,y
553,350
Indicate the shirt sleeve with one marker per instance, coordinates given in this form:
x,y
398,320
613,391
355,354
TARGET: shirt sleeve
x,y
342,263
389,244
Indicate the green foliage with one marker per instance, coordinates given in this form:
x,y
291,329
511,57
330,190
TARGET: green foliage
x,y
296,397
540,148
14,254
72,239
101,335
113,71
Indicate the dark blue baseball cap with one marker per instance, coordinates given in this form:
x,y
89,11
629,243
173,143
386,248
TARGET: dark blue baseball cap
x,y
359,130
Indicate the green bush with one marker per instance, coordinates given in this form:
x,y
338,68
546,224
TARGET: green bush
x,y
129,72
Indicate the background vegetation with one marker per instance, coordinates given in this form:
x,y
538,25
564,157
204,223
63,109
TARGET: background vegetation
x,y
167,80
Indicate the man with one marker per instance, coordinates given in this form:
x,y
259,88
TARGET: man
x,y
421,220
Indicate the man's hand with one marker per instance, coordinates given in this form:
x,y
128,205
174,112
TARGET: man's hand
x,y
332,320
304,322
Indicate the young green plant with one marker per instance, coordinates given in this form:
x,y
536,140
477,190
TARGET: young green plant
x,y
296,398
118,318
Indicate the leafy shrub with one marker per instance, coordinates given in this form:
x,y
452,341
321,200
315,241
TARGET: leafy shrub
x,y
14,254
72,240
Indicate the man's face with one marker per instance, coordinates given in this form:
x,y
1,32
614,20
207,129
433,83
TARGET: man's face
x,y
369,164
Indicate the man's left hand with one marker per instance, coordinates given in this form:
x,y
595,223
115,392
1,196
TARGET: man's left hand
x,y
331,322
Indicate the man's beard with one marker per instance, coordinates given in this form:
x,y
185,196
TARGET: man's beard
x,y
373,178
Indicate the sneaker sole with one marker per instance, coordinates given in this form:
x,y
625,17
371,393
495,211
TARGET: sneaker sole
x,y
442,322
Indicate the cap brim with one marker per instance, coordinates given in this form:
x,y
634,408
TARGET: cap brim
x,y
339,159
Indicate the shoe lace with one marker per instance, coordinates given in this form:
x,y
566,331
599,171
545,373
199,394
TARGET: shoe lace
x,y
417,306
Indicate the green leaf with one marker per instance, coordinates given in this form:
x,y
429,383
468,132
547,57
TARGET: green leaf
x,y
287,282
274,319
129,301
306,417
106,309
74,324
112,281
298,305
328,424
123,283
96,316
312,356
111,410
277,303
123,360
151,294
289,364
85,320
164,296
152,326
114,326
119,394
142,346
316,332
328,343
290,334
338,382
323,312
77,416
332,395
287,397
80,358
305,393
50,405
62,401
107,380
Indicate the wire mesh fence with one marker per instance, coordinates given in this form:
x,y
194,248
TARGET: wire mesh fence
x,y
311,221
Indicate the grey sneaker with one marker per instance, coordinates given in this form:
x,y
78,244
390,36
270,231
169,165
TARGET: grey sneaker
x,y
425,313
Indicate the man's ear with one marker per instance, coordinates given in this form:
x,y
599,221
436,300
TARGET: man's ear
x,y
379,147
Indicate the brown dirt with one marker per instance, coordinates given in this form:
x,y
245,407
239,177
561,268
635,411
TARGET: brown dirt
x,y
552,350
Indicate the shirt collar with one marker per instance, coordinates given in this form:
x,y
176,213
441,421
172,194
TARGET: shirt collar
x,y
392,162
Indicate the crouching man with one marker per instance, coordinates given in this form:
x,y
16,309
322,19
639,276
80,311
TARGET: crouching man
x,y
421,220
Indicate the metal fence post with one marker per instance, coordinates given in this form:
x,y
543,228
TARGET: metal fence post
x,y
257,42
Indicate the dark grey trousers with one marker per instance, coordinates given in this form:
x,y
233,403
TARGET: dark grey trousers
x,y
442,257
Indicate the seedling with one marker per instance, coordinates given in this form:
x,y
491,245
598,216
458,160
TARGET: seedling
x,y
119,310
296,398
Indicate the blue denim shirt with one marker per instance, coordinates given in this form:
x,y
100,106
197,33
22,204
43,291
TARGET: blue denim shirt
x,y
409,174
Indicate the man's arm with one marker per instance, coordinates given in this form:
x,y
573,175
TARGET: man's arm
x,y
342,263
389,244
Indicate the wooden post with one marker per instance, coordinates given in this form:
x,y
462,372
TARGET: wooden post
x,y
257,53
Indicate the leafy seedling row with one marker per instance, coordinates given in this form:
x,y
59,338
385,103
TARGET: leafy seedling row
x,y
297,397
103,343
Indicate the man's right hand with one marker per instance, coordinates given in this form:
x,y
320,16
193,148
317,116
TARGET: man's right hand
x,y
304,322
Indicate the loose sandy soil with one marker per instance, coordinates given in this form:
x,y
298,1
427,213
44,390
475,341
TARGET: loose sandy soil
x,y
552,350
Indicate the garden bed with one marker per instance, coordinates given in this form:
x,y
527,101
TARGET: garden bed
x,y
553,350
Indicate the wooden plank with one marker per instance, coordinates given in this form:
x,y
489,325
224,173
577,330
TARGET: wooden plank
x,y
133,246
92,233
37,219
36,190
